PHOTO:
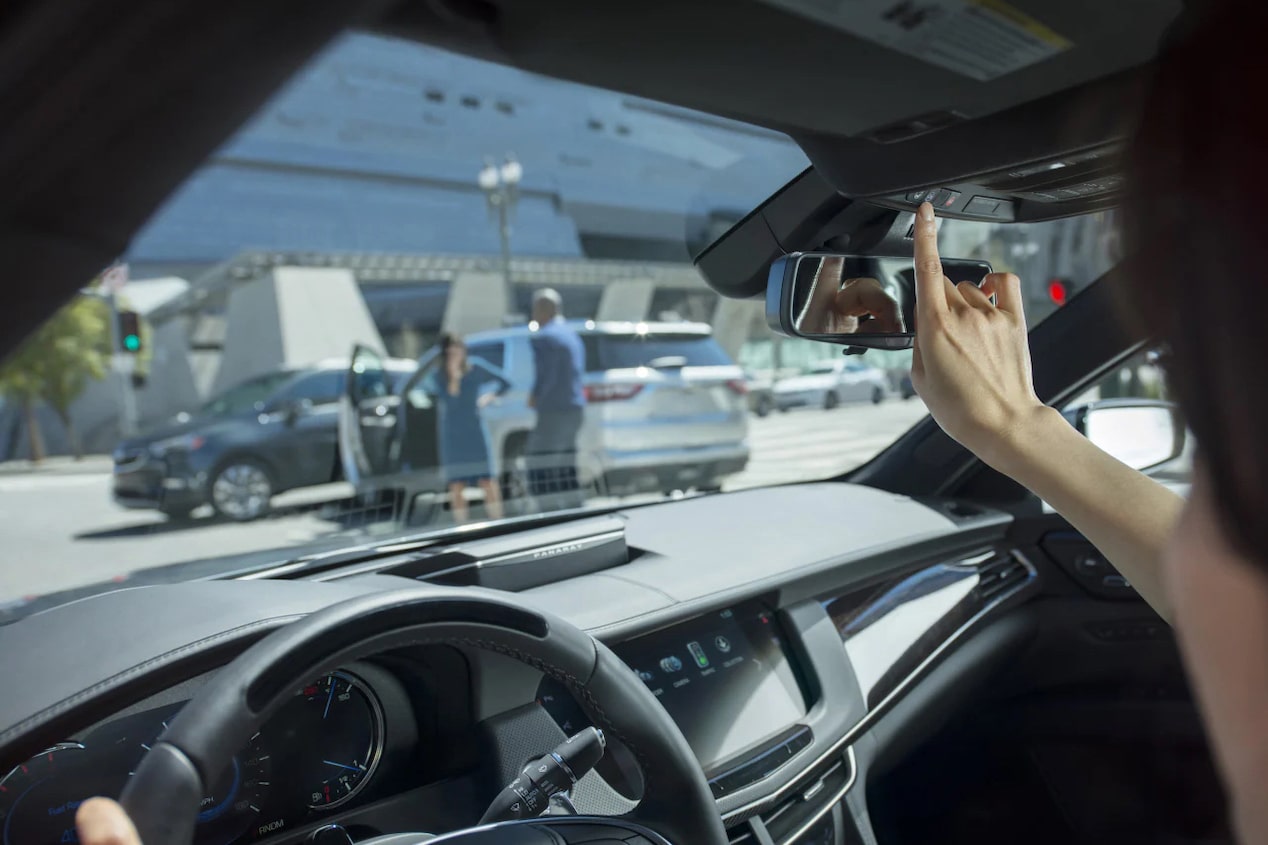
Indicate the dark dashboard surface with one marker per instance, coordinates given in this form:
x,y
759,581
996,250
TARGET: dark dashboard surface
x,y
773,656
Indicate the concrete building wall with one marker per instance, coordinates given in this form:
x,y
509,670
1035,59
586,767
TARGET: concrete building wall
x,y
737,320
626,300
293,317
477,301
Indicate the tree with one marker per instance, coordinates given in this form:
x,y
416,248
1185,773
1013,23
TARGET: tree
x,y
55,365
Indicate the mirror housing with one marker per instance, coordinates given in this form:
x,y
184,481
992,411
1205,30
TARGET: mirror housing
x,y
858,301
1142,433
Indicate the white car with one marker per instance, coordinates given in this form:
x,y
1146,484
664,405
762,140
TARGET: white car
x,y
827,384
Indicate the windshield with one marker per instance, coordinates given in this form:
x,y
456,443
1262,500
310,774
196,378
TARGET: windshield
x,y
615,352
237,400
391,200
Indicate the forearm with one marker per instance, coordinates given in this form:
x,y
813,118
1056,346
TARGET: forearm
x,y
1128,516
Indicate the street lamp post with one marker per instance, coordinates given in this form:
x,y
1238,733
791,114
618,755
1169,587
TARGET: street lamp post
x,y
500,184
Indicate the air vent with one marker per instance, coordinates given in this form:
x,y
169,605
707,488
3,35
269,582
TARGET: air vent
x,y
791,818
999,576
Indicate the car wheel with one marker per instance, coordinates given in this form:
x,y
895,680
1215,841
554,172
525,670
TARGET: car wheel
x,y
830,400
241,490
878,395
764,404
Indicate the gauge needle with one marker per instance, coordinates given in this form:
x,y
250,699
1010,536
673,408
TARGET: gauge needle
x,y
343,766
329,698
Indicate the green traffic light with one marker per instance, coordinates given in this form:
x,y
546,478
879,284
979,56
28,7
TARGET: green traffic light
x,y
132,343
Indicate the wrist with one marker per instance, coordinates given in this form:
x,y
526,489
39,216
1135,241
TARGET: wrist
x,y
1026,440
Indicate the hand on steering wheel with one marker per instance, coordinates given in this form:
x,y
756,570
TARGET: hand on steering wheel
x,y
100,821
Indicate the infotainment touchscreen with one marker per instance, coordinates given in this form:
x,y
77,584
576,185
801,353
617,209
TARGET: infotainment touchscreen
x,y
725,679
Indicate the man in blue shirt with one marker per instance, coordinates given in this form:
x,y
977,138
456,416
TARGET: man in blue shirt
x,y
559,359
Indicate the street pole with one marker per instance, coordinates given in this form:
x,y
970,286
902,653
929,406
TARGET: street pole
x,y
500,184
504,232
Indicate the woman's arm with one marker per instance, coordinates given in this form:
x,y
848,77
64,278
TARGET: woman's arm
x,y
971,366
490,373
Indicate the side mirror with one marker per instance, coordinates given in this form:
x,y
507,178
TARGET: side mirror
x,y
864,301
1141,433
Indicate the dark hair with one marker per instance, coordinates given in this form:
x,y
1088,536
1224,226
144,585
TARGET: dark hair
x,y
449,339
1198,272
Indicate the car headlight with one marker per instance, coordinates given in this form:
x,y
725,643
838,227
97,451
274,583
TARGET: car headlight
x,y
183,442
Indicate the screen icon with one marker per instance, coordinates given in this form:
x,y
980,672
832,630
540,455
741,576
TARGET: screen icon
x,y
670,664
645,676
722,644
702,659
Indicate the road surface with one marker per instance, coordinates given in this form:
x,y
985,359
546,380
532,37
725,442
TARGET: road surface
x,y
61,530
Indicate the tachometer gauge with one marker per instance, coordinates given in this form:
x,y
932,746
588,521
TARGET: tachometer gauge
x,y
331,735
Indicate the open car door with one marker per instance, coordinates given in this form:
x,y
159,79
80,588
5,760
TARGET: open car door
x,y
369,414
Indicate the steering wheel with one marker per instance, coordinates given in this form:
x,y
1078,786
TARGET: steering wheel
x,y
163,796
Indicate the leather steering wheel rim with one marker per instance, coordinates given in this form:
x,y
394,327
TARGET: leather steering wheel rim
x,y
163,795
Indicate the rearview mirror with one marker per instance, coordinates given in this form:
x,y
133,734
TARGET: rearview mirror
x,y
866,301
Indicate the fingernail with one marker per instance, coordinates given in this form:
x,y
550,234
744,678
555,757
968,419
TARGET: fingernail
x,y
926,211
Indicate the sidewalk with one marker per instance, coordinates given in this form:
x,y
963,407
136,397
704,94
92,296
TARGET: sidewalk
x,y
59,465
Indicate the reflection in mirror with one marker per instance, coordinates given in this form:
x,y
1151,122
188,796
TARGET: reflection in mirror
x,y
1140,434
859,300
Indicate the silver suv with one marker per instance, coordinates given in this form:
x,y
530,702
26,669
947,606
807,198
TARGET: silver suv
x,y
666,409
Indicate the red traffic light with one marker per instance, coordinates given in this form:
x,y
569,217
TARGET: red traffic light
x,y
1058,291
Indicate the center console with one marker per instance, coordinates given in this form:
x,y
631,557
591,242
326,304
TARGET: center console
x,y
728,679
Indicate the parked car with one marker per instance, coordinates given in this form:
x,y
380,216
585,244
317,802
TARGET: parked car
x,y
666,410
761,400
827,384
274,432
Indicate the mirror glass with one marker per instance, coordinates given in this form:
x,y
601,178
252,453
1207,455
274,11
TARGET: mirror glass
x,y
862,300
1139,435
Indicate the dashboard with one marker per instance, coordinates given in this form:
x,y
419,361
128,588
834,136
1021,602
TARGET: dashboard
x,y
776,662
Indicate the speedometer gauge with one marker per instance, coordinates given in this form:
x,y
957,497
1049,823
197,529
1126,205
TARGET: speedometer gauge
x,y
332,737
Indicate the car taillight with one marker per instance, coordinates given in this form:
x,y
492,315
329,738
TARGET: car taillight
x,y
738,386
611,392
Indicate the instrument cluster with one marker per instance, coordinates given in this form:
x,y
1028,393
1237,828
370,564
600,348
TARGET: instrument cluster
x,y
318,753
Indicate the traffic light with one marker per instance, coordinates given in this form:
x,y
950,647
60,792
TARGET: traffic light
x,y
129,331
1058,291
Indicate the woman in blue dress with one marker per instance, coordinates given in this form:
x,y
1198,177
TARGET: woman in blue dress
x,y
465,459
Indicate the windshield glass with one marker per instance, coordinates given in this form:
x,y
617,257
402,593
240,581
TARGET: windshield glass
x,y
237,400
393,200
614,352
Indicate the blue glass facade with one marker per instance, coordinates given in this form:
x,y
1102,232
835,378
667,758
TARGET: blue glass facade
x,y
375,146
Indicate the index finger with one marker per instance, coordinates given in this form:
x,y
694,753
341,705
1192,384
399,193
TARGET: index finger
x,y
931,294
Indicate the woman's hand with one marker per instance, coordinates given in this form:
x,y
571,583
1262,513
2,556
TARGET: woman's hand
x,y
971,362
100,821
486,399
